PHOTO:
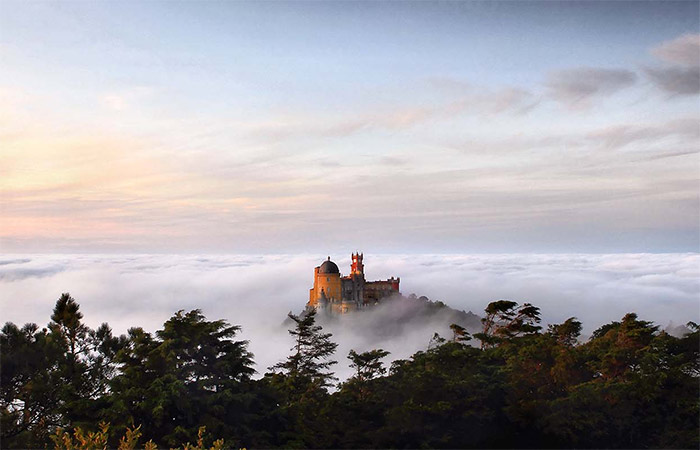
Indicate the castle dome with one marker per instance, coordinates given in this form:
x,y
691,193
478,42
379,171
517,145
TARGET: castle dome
x,y
328,266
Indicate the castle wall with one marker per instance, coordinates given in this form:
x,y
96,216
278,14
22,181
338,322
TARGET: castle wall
x,y
376,290
353,287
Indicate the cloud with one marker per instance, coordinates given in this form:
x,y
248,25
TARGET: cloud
x,y
618,136
479,100
516,100
681,75
675,80
578,87
14,261
684,50
464,100
258,291
670,154
21,274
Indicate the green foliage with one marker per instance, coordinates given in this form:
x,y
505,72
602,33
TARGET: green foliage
x,y
459,333
308,364
191,374
55,376
368,365
505,320
629,386
29,385
302,381
566,333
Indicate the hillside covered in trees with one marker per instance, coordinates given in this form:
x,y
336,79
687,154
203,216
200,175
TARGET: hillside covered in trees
x,y
512,384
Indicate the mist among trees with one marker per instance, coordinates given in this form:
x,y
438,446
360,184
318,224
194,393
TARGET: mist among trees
x,y
512,384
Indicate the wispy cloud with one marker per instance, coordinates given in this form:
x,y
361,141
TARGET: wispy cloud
x,y
681,75
675,80
684,50
618,136
467,103
577,87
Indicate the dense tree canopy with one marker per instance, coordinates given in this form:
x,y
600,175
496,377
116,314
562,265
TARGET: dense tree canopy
x,y
629,386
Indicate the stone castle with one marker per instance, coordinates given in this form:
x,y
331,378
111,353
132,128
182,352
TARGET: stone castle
x,y
336,294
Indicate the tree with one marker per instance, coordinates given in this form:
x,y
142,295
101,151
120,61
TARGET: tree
x,y
616,348
85,364
446,397
29,386
638,391
309,361
203,352
505,320
68,329
566,333
459,333
54,377
629,386
192,374
367,365
435,341
71,335
301,382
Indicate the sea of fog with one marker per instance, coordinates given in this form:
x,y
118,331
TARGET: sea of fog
x,y
257,292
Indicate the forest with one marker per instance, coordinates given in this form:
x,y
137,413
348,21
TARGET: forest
x,y
513,384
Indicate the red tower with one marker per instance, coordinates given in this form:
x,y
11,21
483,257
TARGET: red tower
x,y
357,267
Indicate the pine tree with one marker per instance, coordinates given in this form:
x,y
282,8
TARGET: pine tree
x,y
309,361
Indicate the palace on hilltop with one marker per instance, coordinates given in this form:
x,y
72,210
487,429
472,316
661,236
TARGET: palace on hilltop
x,y
337,294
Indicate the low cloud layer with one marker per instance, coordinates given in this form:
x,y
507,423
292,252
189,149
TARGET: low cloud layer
x,y
257,292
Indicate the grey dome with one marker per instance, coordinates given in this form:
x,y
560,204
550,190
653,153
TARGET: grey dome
x,y
328,266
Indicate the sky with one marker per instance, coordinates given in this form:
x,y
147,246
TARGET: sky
x,y
325,127
257,291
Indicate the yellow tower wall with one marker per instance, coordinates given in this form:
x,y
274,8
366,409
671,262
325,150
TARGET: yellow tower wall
x,y
329,283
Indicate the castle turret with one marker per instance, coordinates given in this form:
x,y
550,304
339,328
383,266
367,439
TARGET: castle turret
x,y
357,268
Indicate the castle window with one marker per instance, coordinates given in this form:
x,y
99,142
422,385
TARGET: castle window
x,y
328,279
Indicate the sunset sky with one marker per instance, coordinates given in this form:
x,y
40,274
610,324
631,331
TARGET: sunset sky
x,y
325,126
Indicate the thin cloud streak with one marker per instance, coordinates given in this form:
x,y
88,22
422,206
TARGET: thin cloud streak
x,y
619,136
476,102
578,87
